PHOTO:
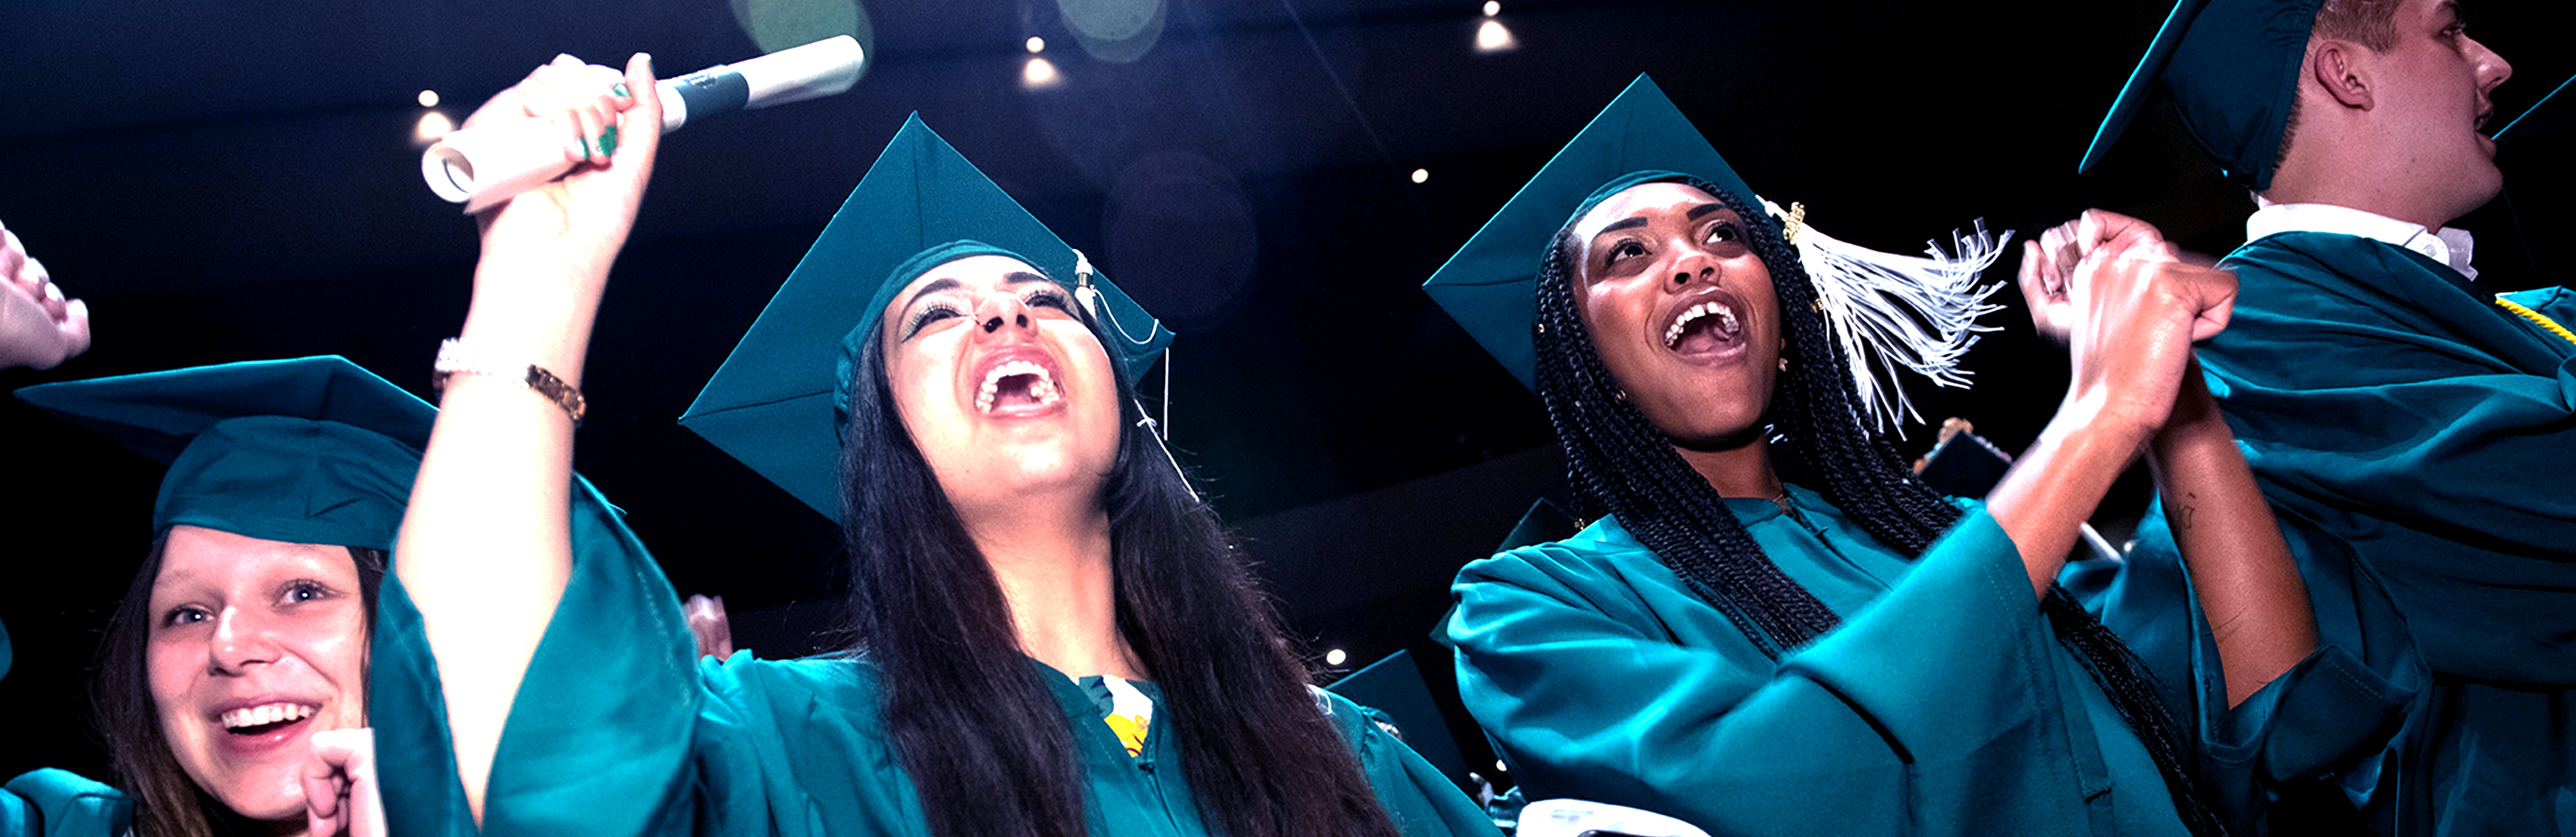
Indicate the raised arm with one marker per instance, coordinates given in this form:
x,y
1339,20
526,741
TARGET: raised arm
x,y
485,548
2128,311
2241,570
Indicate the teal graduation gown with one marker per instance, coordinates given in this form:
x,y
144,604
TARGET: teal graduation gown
x,y
1943,704
60,803
616,732
2389,406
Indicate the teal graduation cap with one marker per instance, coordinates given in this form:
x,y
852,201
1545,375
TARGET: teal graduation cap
x,y
309,450
2231,68
775,403
1489,285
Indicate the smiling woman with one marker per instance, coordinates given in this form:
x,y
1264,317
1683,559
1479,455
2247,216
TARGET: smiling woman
x,y
246,631
1769,625
1050,634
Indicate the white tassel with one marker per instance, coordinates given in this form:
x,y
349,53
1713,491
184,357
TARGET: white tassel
x,y
1917,313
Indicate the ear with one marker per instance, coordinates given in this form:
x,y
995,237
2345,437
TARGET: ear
x,y
2341,68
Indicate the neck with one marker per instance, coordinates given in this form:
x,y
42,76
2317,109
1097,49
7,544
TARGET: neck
x,y
1740,471
2354,173
1056,574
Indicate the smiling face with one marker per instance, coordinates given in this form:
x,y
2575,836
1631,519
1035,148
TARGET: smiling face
x,y
1005,392
1680,309
253,646
2431,95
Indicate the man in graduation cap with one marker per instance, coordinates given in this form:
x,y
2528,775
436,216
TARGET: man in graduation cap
x,y
2413,421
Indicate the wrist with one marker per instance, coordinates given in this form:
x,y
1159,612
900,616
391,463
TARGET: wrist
x,y
2090,421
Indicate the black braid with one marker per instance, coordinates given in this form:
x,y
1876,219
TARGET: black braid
x,y
1620,464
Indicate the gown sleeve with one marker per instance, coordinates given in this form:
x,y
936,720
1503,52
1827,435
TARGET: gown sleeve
x,y
60,803
2324,721
1421,801
1921,714
600,734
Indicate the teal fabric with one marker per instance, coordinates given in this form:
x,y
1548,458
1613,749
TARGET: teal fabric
x,y
59,803
1942,705
772,404
2324,724
615,733
2398,413
306,450
2232,69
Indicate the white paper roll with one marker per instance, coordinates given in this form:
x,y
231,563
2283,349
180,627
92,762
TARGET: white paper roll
x,y
492,161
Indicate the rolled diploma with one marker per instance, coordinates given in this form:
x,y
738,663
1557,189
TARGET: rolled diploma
x,y
493,161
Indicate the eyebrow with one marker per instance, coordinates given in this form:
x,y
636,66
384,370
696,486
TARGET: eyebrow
x,y
935,286
1022,277
1703,209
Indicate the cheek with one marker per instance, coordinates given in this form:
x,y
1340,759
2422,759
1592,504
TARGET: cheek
x,y
170,669
337,648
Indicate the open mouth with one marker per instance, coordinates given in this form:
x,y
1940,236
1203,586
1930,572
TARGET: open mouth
x,y
265,718
1709,326
1016,383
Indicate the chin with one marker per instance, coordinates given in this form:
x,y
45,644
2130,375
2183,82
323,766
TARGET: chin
x,y
266,792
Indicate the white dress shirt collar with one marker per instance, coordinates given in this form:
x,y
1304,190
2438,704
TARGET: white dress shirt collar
x,y
2448,245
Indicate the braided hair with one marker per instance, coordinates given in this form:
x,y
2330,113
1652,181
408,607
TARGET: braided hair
x,y
1620,464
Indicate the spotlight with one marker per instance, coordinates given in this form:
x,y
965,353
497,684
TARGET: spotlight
x,y
1039,74
1499,768
1036,44
1492,37
1493,7
432,125
429,98
1335,657
1421,175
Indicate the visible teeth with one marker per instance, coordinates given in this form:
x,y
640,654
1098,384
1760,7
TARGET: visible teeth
x,y
1725,321
1042,389
267,713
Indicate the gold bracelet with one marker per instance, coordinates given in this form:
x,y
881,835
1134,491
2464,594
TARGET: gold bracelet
x,y
455,359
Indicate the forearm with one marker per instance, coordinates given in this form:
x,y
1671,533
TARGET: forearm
x,y
2055,485
2241,569
486,548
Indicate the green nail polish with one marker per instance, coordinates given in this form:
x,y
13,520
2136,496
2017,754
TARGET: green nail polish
x,y
620,89
608,142
585,148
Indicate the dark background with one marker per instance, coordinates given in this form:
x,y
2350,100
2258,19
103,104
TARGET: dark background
x,y
238,180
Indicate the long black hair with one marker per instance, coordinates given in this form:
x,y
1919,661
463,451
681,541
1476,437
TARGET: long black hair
x,y
985,741
166,802
1621,465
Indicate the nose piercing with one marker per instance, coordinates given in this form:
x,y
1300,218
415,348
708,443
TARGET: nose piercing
x,y
1021,320
992,324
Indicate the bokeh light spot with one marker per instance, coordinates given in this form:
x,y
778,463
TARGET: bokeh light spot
x,y
778,24
1118,31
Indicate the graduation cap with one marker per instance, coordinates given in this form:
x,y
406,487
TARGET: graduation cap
x,y
310,450
1886,311
2232,68
1489,285
775,403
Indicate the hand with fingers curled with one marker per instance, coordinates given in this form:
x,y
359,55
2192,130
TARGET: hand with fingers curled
x,y
2128,306
39,327
340,785
574,226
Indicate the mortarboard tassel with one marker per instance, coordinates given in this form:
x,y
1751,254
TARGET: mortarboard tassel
x,y
1888,311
